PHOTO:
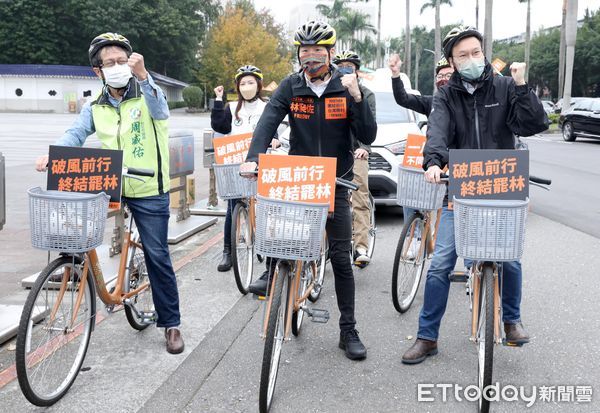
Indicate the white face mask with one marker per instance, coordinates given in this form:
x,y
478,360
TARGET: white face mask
x,y
117,76
248,92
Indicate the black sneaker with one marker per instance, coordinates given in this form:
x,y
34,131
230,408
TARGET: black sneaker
x,y
351,344
259,287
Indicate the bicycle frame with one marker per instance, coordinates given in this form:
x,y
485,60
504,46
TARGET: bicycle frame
x,y
474,282
294,302
430,237
91,261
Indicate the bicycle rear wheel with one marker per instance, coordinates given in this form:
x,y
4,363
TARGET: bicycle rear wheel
x,y
52,341
308,274
372,228
485,333
139,309
274,338
242,247
408,263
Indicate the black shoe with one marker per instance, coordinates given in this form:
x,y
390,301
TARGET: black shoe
x,y
515,334
225,264
259,287
351,344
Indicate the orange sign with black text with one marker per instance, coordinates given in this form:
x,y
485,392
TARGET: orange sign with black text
x,y
297,178
232,149
413,154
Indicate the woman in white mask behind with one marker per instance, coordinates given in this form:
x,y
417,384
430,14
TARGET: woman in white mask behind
x,y
235,118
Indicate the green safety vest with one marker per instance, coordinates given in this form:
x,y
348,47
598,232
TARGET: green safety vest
x,y
144,141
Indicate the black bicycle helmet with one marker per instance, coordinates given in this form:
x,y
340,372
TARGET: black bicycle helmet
x,y
315,32
107,39
441,64
248,70
347,56
457,34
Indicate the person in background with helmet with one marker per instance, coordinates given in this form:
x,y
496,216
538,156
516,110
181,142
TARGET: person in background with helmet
x,y
476,110
421,104
132,101
317,131
241,117
349,62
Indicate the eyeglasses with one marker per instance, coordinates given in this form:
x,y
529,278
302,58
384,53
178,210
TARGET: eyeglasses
x,y
447,76
111,63
462,57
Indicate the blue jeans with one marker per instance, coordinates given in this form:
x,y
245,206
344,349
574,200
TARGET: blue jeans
x,y
151,215
437,284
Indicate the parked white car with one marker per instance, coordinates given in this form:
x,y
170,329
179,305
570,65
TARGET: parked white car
x,y
394,123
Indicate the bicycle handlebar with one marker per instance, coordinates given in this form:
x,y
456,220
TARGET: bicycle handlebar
x,y
541,181
338,181
138,171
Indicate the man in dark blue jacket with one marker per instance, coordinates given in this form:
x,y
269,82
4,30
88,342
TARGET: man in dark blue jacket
x,y
476,110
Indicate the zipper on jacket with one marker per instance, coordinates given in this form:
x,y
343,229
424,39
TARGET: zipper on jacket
x,y
119,127
319,122
476,122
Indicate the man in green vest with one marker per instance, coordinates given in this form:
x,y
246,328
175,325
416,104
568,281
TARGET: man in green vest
x,y
131,115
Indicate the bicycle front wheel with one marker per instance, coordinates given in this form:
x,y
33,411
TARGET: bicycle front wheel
x,y
485,333
274,338
54,331
139,310
242,247
408,263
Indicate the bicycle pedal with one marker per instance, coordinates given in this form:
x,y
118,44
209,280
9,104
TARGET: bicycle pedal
x,y
148,318
318,316
508,344
458,277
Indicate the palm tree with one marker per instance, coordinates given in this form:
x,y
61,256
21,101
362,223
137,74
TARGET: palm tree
x,y
570,39
350,23
378,57
477,14
435,4
334,12
407,54
420,36
527,37
488,36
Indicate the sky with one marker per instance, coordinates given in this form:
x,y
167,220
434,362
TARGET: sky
x,y
509,16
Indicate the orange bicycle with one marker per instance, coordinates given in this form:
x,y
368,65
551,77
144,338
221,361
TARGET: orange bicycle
x,y
60,312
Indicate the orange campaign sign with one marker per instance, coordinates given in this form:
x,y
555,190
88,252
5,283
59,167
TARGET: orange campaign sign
x,y
498,64
231,149
297,178
413,154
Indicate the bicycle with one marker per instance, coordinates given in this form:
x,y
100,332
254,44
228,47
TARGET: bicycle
x,y
488,232
417,239
60,311
293,232
230,185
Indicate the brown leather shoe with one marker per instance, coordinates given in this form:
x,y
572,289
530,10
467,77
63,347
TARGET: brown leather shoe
x,y
515,334
420,351
174,340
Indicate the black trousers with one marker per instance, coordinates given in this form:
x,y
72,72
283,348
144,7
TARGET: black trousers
x,y
339,235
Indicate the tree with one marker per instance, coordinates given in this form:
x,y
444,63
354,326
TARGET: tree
x,y
240,39
561,51
527,37
166,32
420,36
333,12
570,40
350,23
407,54
435,4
